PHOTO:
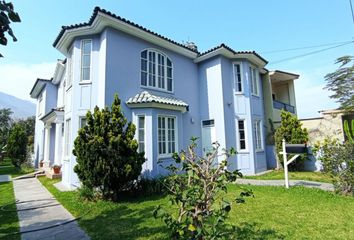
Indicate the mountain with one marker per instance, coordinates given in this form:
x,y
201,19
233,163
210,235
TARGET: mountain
x,y
20,108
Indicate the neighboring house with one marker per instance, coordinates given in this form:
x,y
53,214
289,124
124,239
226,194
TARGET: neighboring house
x,y
170,91
329,124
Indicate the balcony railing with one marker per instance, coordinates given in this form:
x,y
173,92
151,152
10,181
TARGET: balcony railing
x,y
281,105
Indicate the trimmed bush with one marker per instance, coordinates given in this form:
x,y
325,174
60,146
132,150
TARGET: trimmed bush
x,y
106,152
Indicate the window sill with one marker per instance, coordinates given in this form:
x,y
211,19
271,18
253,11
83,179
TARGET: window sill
x,y
157,89
243,151
86,82
254,95
259,150
167,156
239,93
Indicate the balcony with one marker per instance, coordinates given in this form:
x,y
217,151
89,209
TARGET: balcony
x,y
285,106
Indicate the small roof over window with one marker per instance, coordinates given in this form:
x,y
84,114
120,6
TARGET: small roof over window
x,y
148,100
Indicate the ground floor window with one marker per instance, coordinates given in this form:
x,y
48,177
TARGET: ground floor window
x,y
141,133
83,122
166,128
67,137
241,134
258,134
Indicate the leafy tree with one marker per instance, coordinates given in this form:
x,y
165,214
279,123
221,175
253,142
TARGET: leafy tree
x,y
106,152
291,130
17,145
29,127
7,15
5,125
338,160
341,82
201,211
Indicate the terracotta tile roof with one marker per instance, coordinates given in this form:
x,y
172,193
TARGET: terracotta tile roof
x,y
146,97
97,10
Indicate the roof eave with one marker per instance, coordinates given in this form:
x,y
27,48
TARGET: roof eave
x,y
182,109
230,54
102,21
37,88
59,71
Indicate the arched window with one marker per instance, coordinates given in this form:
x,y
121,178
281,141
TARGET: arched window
x,y
156,70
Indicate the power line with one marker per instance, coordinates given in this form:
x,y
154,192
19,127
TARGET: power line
x,y
351,9
307,47
309,53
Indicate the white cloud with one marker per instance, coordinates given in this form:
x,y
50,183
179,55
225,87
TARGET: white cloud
x,y
18,79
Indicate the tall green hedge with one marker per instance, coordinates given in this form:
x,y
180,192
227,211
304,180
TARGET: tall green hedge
x,y
106,151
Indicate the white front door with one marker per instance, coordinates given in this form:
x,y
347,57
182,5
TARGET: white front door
x,y
208,136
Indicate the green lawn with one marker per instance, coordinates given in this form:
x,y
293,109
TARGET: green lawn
x,y
279,175
7,168
274,213
9,220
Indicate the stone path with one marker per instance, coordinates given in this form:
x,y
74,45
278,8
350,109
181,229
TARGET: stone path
x,y
5,178
32,194
310,184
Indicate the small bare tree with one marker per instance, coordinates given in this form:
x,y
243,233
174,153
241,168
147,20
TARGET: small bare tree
x,y
202,209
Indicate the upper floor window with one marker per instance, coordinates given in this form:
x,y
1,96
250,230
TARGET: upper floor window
x,y
69,64
156,70
86,60
40,105
254,80
238,78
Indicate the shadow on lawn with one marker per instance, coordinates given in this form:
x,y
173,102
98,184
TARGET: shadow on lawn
x,y
123,222
8,219
255,231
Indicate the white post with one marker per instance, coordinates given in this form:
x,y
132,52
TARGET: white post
x,y
285,159
57,151
47,144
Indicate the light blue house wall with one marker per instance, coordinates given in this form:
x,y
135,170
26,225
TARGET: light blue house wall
x,y
123,62
205,82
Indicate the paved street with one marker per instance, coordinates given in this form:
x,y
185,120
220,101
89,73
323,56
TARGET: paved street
x,y
310,184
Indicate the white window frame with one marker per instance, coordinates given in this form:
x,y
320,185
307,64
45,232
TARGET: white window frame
x,y
138,132
81,63
68,124
40,105
236,91
238,135
166,155
69,63
80,121
254,79
165,89
258,135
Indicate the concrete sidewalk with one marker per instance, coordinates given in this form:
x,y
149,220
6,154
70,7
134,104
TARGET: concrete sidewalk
x,y
32,194
310,184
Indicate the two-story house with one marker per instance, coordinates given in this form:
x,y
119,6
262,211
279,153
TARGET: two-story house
x,y
170,91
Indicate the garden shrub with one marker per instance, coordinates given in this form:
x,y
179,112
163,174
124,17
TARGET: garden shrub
x,y
291,130
201,211
338,160
106,152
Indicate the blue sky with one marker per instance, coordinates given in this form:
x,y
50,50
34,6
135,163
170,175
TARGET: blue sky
x,y
257,25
